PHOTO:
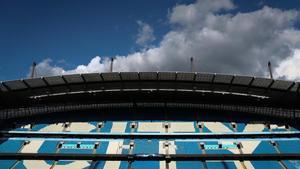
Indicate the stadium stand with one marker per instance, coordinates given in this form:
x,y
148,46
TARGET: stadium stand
x,y
137,120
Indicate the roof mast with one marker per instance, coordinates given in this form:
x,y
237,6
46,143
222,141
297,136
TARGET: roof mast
x,y
33,73
270,69
111,64
192,64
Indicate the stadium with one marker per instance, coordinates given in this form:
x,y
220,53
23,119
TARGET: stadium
x,y
137,120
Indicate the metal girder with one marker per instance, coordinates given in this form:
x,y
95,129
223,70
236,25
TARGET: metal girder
x,y
149,157
235,135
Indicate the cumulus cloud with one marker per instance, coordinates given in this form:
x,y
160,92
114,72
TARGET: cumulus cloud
x,y
289,68
145,34
218,40
194,14
45,68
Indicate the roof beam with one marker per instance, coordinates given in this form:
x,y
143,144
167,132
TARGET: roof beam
x,y
149,157
236,135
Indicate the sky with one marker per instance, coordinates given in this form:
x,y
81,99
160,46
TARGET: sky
x,y
76,36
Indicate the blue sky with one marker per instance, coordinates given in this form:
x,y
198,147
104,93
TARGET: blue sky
x,y
73,32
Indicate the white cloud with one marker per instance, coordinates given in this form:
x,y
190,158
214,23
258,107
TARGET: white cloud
x,y
194,14
95,65
290,67
219,41
145,34
45,68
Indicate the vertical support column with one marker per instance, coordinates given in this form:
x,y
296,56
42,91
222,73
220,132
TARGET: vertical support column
x,y
202,147
92,166
275,145
59,145
167,147
115,147
21,148
133,127
97,144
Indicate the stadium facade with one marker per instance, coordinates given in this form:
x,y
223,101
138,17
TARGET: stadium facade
x,y
136,120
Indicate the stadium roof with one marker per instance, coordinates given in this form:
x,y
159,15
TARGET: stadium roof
x,y
197,81
150,89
